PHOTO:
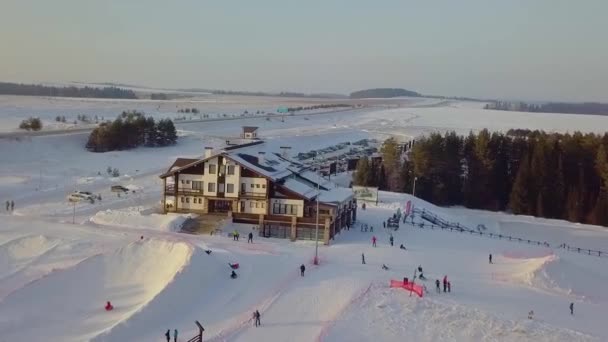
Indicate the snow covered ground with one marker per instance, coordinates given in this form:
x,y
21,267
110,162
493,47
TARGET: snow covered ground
x,y
55,276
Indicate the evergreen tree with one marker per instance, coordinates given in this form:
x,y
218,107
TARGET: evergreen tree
x,y
519,201
362,173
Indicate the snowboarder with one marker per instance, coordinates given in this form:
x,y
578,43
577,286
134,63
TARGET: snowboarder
x,y
490,258
384,267
256,318
250,238
168,335
445,283
438,286
531,314
449,287
12,205
302,269
374,241
233,275
8,205
572,308
402,247
391,239
363,258
109,306
175,335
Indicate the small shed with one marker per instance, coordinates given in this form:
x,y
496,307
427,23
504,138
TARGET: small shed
x,y
249,132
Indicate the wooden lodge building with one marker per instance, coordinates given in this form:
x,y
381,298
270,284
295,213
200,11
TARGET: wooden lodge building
x,y
257,187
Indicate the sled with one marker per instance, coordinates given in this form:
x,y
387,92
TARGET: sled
x,y
409,286
234,266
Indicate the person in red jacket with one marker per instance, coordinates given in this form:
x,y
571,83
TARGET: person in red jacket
x,y
445,283
374,241
109,306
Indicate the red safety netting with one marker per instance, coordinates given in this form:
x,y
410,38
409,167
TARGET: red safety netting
x,y
409,286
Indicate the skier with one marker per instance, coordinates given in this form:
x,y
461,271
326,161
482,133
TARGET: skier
x,y
168,335
445,283
572,308
371,229
384,267
391,239
384,224
374,241
302,269
421,276
438,286
531,314
363,258
449,287
233,275
402,247
12,205
490,258
250,238
109,306
8,204
175,335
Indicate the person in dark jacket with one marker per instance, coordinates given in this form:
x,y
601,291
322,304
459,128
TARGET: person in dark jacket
x,y
12,205
168,335
449,287
233,275
175,335
256,318
490,258
438,286
445,283
572,308
402,247
302,269
250,238
363,258
392,240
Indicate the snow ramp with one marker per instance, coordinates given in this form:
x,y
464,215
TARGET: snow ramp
x,y
68,305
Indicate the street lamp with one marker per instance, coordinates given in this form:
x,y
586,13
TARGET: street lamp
x,y
414,187
316,259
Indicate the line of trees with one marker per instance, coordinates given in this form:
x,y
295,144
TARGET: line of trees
x,y
382,93
31,124
321,106
552,107
40,90
130,130
562,176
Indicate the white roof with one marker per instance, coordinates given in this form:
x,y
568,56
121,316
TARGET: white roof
x,y
336,195
306,190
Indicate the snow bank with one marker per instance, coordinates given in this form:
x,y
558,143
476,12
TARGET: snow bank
x,y
133,217
129,277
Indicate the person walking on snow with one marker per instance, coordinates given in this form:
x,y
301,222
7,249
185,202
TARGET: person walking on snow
x,y
572,308
250,238
449,287
391,239
374,241
445,283
384,224
8,205
256,316
363,258
175,335
12,205
168,335
438,286
371,229
490,258
302,269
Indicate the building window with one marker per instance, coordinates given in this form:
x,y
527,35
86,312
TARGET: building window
x,y
211,187
200,201
182,198
182,181
294,209
197,185
243,187
187,181
187,199
263,205
263,186
230,188
257,186
212,168
276,208
250,204
230,170
252,186
324,212
256,204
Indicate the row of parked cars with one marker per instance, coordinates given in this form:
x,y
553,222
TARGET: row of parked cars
x,y
78,196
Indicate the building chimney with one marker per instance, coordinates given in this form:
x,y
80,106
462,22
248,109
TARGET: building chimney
x,y
261,156
285,151
208,152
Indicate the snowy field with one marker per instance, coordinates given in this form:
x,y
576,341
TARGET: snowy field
x,y
56,276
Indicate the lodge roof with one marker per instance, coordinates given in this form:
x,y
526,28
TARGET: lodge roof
x,y
249,129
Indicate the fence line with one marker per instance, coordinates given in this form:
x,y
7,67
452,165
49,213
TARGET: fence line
x,y
438,222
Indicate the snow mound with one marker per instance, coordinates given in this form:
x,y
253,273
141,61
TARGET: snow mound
x,y
427,319
130,277
135,217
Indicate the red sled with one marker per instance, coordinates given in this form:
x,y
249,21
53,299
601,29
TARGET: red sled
x,y
409,286
234,266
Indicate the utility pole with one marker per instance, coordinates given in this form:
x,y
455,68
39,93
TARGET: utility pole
x,y
316,259
414,187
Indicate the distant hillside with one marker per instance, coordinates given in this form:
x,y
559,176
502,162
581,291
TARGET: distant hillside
x,y
382,93
592,108
40,90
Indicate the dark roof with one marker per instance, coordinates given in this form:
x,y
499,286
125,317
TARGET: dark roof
x,y
249,129
255,161
181,162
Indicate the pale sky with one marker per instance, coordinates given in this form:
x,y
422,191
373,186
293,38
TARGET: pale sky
x,y
513,49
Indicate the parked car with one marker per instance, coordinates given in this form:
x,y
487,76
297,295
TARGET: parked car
x,y
119,188
78,196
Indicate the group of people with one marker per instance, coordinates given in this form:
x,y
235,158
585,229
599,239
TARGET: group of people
x,y
10,205
236,235
447,285
168,335
365,228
